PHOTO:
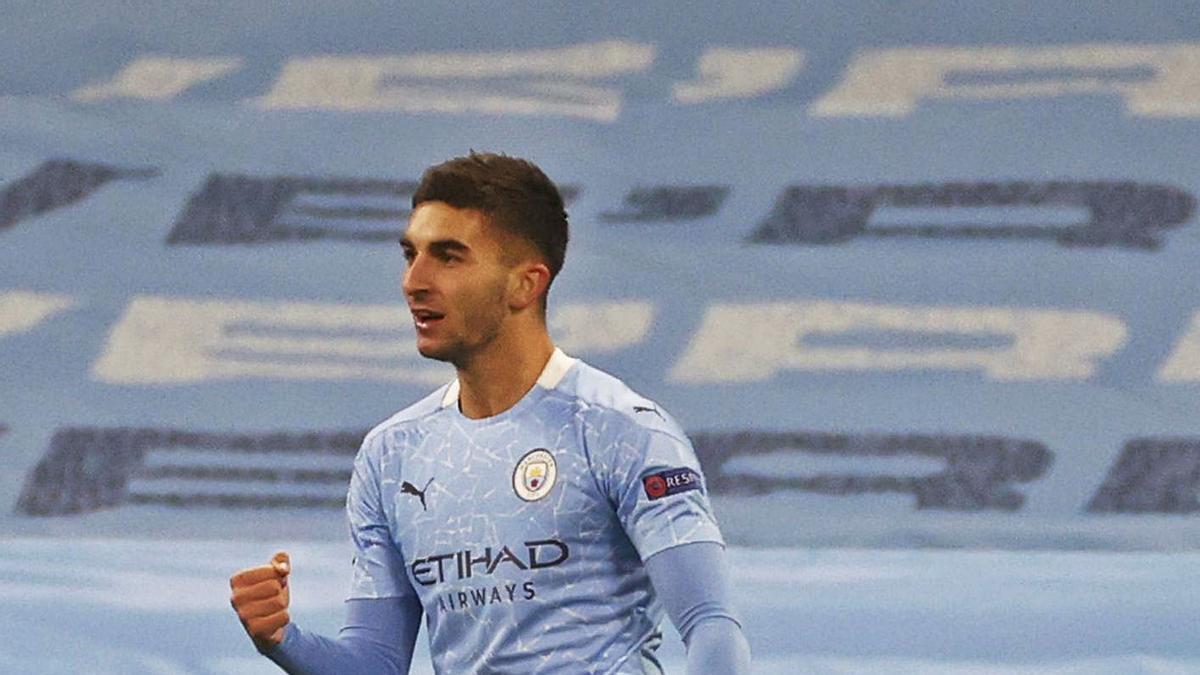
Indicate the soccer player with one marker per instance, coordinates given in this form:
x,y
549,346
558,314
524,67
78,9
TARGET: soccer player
x,y
541,515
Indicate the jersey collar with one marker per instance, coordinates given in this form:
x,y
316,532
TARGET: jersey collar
x,y
556,368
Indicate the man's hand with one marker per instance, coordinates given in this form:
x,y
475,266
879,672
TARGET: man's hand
x,y
260,598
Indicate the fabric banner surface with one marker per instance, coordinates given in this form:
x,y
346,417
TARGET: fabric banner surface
x,y
916,276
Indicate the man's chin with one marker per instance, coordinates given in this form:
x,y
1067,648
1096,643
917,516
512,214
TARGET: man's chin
x,y
437,352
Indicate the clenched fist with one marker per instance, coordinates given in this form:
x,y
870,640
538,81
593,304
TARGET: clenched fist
x,y
260,598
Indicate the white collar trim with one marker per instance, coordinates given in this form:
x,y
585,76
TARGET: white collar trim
x,y
555,370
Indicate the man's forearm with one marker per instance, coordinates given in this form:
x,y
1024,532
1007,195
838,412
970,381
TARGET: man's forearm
x,y
717,645
378,637
693,584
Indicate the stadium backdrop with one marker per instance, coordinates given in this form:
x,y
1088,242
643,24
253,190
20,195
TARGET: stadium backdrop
x,y
902,284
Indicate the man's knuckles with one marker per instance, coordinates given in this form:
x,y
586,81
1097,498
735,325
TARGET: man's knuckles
x,y
263,589
261,608
264,626
252,575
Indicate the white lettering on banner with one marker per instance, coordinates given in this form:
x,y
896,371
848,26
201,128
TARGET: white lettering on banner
x,y
1184,362
739,73
22,310
753,342
601,327
158,78
1154,80
554,82
172,340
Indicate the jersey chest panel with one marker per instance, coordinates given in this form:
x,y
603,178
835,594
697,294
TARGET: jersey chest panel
x,y
499,517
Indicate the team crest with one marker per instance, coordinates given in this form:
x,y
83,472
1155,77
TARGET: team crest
x,y
535,475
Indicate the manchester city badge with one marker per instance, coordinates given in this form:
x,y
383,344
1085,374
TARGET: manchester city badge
x,y
535,475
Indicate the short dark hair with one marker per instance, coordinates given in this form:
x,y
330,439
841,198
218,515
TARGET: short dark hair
x,y
512,192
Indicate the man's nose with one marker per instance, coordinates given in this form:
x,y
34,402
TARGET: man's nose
x,y
415,279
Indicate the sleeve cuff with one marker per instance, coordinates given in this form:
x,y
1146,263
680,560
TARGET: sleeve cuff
x,y
652,548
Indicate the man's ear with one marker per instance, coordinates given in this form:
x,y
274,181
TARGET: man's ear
x,y
528,283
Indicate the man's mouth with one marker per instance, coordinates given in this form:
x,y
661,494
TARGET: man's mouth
x,y
425,318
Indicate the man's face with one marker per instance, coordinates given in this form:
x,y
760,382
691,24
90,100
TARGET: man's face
x,y
455,281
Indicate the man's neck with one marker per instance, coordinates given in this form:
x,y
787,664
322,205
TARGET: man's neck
x,y
495,380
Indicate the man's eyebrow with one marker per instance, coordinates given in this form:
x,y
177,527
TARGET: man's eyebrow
x,y
448,245
439,246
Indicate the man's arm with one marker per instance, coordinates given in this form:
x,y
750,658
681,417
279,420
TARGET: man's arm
x,y
692,582
377,638
652,477
383,611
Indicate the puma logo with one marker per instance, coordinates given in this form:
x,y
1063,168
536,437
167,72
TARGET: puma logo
x,y
410,489
643,408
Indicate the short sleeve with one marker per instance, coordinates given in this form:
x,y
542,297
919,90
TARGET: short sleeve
x,y
659,490
378,567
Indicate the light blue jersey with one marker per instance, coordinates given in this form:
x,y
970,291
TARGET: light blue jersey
x,y
523,534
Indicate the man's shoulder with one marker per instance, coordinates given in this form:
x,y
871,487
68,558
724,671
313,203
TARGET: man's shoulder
x,y
608,400
410,415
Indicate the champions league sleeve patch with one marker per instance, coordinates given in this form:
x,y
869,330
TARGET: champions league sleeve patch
x,y
670,482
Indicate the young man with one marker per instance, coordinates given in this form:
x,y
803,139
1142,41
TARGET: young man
x,y
540,514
